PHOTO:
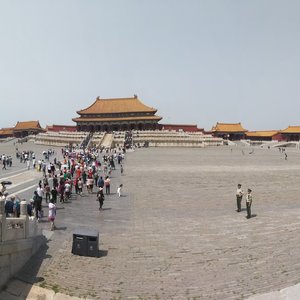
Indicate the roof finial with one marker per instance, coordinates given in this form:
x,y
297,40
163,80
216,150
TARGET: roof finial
x,y
135,96
98,98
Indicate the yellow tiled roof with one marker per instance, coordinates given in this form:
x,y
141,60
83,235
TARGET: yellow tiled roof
x,y
116,105
266,133
28,125
6,131
291,129
157,118
228,127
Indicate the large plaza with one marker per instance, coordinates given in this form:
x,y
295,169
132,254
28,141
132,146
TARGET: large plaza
x,y
175,233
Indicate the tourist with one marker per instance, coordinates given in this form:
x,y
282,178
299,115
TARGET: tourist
x,y
107,185
47,191
4,164
55,181
239,197
30,208
40,191
61,190
90,184
122,169
17,206
52,214
100,197
54,194
37,203
96,177
67,190
119,190
100,182
80,186
249,203
9,207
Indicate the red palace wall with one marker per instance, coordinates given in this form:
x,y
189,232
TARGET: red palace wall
x,y
62,128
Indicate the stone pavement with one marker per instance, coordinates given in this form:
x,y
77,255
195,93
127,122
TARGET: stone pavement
x,y
176,235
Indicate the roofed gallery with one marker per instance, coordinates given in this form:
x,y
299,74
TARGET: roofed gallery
x,y
117,114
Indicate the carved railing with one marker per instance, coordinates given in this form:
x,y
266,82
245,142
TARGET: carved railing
x,y
17,228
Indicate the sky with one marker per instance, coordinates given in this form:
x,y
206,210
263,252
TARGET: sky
x,y
195,61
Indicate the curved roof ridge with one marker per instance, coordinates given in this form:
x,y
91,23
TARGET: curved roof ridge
x,y
117,105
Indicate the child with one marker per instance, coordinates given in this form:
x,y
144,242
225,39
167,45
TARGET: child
x,y
122,170
119,189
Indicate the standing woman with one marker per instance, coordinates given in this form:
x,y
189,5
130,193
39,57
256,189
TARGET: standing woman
x,y
52,214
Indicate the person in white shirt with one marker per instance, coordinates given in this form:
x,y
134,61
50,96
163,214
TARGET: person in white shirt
x,y
119,190
239,197
40,192
52,214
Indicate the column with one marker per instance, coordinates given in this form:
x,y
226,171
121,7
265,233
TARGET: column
x,y
24,215
2,220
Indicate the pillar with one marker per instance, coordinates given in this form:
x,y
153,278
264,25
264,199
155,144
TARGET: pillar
x,y
24,215
2,220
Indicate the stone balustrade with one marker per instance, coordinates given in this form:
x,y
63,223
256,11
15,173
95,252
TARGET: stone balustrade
x,y
61,138
12,229
154,138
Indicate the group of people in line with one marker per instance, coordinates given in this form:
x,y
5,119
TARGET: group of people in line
x,y
239,197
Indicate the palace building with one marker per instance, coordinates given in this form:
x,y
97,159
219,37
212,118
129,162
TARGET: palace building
x,y
292,133
229,131
23,129
265,135
117,114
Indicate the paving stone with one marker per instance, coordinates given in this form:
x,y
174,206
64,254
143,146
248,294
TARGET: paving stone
x,y
60,296
175,233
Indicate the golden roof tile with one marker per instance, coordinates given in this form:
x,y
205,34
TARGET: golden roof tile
x,y
291,129
116,105
264,133
6,131
27,125
228,127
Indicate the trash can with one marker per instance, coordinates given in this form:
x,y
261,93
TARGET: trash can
x,y
85,242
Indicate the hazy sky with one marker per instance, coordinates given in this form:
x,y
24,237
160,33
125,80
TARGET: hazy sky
x,y
197,62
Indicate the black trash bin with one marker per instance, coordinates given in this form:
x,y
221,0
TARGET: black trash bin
x,y
85,242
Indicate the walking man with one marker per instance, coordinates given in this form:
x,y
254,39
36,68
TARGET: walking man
x,y
239,197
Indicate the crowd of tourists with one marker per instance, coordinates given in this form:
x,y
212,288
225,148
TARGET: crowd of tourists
x,y
79,172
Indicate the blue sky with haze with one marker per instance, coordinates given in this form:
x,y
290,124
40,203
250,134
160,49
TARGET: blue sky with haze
x,y
197,62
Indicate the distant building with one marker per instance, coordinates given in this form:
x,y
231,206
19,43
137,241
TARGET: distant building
x,y
292,133
266,135
118,114
57,128
181,127
23,129
6,132
229,131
